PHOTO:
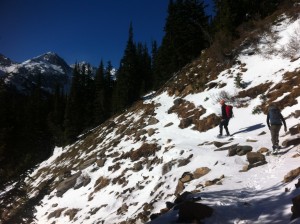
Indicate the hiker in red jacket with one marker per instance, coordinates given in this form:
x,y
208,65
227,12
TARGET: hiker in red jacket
x,y
225,119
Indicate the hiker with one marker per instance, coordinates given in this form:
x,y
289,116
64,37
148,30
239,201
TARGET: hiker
x,y
224,119
274,121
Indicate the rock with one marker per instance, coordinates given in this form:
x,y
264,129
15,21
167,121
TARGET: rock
x,y
179,188
191,212
291,175
296,207
82,181
219,144
295,129
169,124
296,114
262,133
186,177
233,147
200,172
87,163
297,185
289,142
152,121
254,157
185,122
137,166
183,197
100,162
263,150
151,131
243,150
250,166
65,185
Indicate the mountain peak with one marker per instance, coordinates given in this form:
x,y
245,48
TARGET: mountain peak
x,y
49,57
4,61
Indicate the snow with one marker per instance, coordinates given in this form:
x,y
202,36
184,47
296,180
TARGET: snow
x,y
256,196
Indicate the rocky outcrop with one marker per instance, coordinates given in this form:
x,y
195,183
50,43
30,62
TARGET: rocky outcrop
x,y
67,184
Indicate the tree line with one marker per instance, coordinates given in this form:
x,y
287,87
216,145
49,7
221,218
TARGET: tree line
x,y
31,125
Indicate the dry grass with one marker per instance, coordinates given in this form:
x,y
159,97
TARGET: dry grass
x,y
291,83
144,151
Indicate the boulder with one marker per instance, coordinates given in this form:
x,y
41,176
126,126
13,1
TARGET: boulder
x,y
289,142
291,175
296,207
65,185
199,172
243,150
254,157
87,163
191,212
295,129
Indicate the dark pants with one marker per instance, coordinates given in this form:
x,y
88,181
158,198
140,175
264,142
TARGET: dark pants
x,y
275,134
224,123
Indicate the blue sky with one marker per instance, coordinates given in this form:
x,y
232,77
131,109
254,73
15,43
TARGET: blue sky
x,y
90,30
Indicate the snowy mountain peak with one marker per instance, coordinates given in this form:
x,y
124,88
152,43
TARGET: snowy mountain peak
x,y
4,61
49,67
50,58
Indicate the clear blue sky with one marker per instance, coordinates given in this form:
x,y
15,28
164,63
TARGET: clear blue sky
x,y
88,30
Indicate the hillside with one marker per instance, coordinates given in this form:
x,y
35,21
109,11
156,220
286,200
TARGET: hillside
x,y
135,165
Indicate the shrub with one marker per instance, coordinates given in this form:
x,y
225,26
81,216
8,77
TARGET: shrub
x,y
238,81
257,110
292,48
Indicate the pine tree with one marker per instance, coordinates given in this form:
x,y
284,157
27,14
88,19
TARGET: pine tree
x,y
56,115
145,76
88,92
73,122
99,102
109,84
126,90
186,35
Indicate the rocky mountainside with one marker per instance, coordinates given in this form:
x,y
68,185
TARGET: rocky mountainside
x,y
49,69
161,162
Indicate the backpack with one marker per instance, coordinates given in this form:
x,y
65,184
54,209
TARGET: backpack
x,y
274,116
228,110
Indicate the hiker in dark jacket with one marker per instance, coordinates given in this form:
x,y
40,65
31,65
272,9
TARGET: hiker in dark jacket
x,y
224,119
275,121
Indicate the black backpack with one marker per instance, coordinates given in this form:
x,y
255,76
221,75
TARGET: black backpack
x,y
274,116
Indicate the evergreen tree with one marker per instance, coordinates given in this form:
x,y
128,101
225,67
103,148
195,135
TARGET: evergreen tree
x,y
73,122
109,84
56,115
100,115
88,98
127,90
186,35
232,13
145,76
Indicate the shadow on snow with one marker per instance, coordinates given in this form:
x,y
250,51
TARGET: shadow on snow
x,y
250,128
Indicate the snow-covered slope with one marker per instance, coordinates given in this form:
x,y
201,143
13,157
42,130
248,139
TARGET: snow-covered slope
x,y
129,167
